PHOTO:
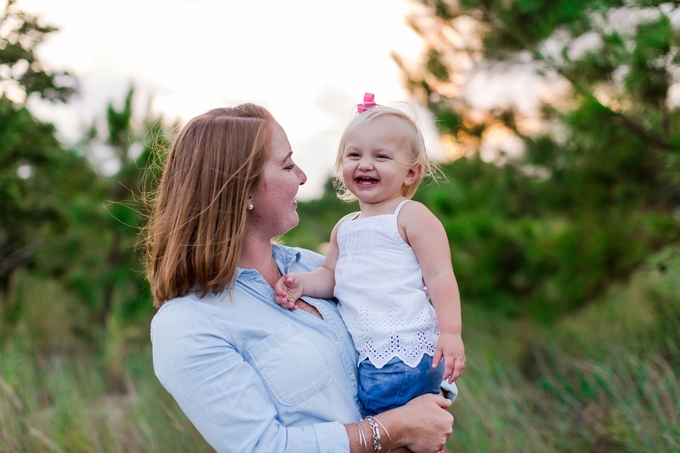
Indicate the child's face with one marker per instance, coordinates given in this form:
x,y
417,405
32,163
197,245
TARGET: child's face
x,y
373,162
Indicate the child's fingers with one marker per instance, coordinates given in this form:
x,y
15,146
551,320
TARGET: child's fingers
x,y
437,357
453,377
448,368
285,301
458,367
291,303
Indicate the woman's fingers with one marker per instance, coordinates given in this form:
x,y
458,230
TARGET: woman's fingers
x,y
444,403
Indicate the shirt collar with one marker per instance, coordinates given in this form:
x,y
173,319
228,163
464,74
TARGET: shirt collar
x,y
284,257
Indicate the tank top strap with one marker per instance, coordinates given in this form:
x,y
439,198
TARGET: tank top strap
x,y
396,211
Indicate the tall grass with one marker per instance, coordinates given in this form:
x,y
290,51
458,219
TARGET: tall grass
x,y
624,403
606,379
64,402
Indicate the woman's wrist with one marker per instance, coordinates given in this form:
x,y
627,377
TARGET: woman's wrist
x,y
373,436
423,424
377,434
393,432
382,441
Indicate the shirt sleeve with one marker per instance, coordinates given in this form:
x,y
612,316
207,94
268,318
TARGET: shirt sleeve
x,y
221,393
450,390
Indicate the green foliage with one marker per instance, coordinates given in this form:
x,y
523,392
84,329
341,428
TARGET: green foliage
x,y
61,220
597,187
20,69
109,277
317,219
38,178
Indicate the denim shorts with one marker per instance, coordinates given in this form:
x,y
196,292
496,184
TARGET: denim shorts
x,y
395,384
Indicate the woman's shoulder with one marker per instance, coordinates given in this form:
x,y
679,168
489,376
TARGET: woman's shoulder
x,y
185,310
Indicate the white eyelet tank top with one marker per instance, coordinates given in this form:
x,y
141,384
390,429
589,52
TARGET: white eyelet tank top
x,y
381,294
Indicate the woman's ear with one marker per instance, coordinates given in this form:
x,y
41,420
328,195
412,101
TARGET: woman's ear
x,y
413,175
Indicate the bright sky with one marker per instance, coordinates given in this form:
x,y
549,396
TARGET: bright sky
x,y
308,61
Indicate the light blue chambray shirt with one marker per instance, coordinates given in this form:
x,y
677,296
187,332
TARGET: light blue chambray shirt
x,y
254,377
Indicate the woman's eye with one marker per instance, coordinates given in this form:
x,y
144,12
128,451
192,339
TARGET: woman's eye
x,y
290,167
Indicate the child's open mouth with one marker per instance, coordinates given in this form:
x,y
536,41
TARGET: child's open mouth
x,y
366,181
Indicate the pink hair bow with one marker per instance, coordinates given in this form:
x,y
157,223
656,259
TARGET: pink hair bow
x,y
368,103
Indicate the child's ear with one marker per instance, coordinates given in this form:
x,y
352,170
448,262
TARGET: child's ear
x,y
413,175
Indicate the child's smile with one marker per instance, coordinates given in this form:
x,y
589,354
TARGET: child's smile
x,y
366,181
375,163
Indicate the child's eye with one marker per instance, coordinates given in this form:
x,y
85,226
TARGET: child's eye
x,y
382,156
352,154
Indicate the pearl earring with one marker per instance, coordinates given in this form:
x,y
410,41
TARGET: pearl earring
x,y
250,207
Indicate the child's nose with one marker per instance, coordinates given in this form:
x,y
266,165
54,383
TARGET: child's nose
x,y
366,163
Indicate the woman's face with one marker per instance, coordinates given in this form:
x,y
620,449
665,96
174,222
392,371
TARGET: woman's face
x,y
274,202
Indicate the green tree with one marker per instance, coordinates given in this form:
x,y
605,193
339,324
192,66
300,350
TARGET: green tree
x,y
61,218
597,186
104,265
38,177
116,281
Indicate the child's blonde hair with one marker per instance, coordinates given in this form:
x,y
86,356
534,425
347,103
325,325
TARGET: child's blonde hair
x,y
417,157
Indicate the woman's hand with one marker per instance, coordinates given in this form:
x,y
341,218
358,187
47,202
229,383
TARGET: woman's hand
x,y
423,425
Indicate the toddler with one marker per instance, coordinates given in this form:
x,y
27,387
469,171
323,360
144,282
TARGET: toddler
x,y
385,263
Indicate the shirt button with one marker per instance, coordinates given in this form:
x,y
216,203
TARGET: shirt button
x,y
337,338
351,377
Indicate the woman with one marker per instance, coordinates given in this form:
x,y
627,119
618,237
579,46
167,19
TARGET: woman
x,y
250,375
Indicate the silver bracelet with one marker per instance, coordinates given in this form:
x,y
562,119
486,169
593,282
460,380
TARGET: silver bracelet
x,y
377,448
386,433
362,439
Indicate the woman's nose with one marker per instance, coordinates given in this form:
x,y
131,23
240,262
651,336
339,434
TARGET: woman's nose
x,y
301,175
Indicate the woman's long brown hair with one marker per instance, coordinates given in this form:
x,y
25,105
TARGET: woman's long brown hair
x,y
195,233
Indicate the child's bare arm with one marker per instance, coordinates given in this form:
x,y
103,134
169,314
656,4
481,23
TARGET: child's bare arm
x,y
317,283
426,235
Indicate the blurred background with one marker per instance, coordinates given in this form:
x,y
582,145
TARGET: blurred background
x,y
557,128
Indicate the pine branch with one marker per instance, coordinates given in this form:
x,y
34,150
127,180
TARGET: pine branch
x,y
626,121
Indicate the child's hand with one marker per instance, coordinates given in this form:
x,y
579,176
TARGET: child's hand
x,y
287,291
450,348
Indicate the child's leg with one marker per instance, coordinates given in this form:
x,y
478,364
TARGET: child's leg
x,y
395,384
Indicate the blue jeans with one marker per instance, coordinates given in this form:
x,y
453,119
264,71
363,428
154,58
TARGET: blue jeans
x,y
395,384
